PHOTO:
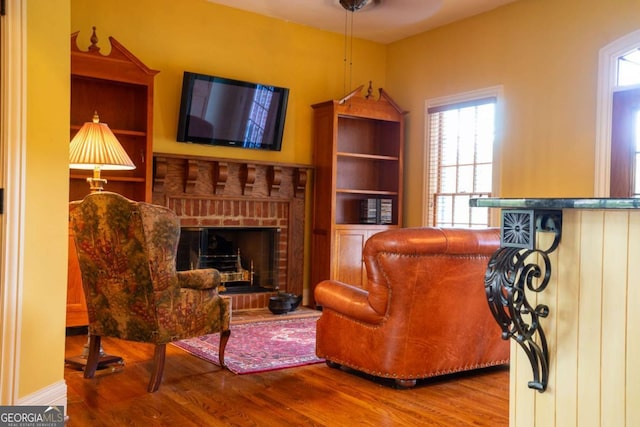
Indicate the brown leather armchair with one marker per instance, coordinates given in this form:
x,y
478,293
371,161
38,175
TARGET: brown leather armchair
x,y
423,311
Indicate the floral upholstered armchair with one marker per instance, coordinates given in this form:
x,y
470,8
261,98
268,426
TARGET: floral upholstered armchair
x,y
127,256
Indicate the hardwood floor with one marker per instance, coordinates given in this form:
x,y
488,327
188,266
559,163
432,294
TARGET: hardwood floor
x,y
197,393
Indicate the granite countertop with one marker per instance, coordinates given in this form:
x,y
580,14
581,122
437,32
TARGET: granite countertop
x,y
552,203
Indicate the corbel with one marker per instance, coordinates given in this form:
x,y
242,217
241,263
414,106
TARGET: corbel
x,y
517,270
160,167
300,181
274,179
191,176
220,175
247,178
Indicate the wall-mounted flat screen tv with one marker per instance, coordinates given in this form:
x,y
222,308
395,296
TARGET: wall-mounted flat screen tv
x,y
220,111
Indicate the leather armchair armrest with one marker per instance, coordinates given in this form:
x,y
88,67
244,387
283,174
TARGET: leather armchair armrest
x,y
350,301
204,278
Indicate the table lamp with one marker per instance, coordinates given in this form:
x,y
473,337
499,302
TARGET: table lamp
x,y
96,148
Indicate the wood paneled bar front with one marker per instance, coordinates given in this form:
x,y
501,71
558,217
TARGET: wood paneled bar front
x,y
586,304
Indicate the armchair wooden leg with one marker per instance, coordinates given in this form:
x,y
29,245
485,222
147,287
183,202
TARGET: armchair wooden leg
x,y
158,367
94,356
224,338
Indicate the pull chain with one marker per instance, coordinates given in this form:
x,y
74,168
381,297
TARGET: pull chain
x,y
348,51
344,65
351,54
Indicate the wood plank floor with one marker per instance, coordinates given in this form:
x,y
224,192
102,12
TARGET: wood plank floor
x,y
197,393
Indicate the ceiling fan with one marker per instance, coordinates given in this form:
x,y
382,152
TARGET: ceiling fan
x,y
355,5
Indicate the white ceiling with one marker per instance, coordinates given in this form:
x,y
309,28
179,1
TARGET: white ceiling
x,y
382,21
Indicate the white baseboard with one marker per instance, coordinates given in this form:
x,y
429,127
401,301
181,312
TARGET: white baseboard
x,y
53,395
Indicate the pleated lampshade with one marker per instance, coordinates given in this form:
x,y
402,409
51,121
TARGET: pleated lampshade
x,y
95,145
96,148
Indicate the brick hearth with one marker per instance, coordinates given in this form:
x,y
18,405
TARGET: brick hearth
x,y
213,192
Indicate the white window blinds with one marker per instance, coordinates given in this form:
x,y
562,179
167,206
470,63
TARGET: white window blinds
x,y
461,138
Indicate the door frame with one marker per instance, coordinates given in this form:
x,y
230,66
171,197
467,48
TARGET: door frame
x,y
13,53
607,85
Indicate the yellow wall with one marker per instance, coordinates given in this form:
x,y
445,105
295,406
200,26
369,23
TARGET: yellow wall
x,y
46,189
196,35
545,54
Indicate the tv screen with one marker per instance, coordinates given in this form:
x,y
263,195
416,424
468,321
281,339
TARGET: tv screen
x,y
220,111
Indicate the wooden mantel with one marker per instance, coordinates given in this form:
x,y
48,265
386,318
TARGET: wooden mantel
x,y
223,172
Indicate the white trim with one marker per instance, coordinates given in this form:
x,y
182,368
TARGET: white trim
x,y
607,72
464,96
52,395
497,92
12,157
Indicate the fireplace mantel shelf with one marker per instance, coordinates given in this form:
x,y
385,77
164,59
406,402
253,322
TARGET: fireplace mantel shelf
x,y
232,160
223,170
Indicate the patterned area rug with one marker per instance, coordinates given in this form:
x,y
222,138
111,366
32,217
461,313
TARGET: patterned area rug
x,y
260,346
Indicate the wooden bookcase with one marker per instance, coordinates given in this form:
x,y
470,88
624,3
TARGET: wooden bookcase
x,y
358,155
119,87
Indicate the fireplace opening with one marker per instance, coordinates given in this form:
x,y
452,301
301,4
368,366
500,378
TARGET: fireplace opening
x,y
247,258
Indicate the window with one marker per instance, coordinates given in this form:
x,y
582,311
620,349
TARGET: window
x,y
624,179
460,136
629,68
618,72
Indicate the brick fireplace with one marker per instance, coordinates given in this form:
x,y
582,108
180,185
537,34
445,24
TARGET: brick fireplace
x,y
216,192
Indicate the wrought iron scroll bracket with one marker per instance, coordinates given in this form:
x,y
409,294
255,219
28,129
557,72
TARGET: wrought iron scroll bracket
x,y
518,268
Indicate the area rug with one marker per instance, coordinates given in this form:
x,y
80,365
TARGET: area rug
x,y
260,346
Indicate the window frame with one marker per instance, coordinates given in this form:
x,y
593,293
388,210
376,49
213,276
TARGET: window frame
x,y
607,85
461,98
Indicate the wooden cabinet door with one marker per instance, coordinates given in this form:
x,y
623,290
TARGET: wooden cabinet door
x,y
347,263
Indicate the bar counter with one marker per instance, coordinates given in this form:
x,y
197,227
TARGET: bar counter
x,y
578,262
548,203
